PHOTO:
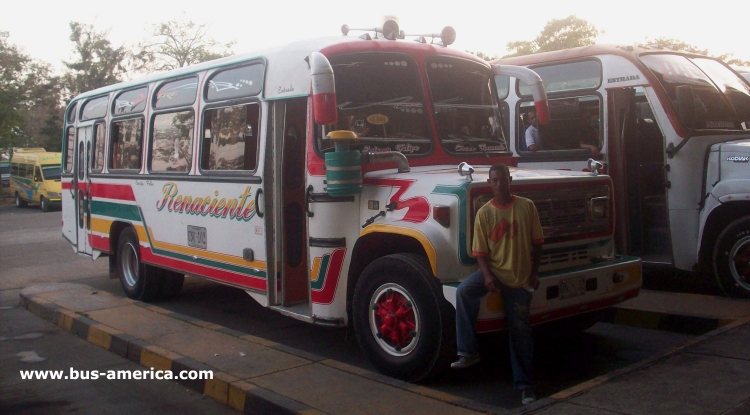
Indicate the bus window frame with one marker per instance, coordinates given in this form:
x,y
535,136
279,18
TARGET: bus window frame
x,y
211,74
202,131
118,94
103,124
110,146
154,99
150,142
68,169
89,100
573,154
546,65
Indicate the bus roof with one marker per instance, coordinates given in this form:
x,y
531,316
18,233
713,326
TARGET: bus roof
x,y
626,51
286,64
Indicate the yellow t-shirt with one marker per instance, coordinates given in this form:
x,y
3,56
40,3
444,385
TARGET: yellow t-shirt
x,y
505,234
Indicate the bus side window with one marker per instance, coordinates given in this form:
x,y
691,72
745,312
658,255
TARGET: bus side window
x,y
127,142
69,148
230,138
97,159
172,143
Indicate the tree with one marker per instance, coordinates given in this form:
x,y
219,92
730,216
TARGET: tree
x,y
482,55
557,34
98,63
175,44
30,104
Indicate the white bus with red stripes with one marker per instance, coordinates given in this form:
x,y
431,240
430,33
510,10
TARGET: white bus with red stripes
x,y
323,178
673,131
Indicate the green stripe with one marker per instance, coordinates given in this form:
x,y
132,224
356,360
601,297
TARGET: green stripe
x,y
460,193
116,210
318,284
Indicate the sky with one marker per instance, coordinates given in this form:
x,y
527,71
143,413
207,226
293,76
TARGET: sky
x,y
41,29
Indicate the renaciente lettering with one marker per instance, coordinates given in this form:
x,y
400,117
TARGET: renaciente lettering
x,y
239,208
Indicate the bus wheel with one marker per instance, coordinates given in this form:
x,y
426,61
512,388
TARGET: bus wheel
x,y
403,323
19,202
139,281
732,258
171,284
45,204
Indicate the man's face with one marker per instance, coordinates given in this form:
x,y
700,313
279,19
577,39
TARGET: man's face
x,y
500,182
532,119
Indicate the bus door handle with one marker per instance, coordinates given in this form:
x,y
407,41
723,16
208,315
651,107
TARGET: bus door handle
x,y
257,206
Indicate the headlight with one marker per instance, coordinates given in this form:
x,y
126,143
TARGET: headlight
x,y
598,208
53,194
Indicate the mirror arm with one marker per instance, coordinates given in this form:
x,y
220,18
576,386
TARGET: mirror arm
x,y
672,150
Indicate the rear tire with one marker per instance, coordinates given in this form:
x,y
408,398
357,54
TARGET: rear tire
x,y
732,259
20,203
139,281
403,323
45,204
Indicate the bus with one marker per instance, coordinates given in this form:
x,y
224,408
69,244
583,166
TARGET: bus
x,y
335,180
35,178
672,130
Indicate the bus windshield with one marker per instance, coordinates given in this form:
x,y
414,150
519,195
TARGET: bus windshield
x,y
722,99
380,98
466,113
51,172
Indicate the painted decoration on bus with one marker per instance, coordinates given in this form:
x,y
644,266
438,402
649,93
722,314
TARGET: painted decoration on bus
x,y
239,208
325,274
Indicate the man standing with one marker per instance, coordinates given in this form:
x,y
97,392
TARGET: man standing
x,y
508,246
533,143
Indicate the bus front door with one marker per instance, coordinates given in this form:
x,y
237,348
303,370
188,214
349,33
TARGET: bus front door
x,y
82,190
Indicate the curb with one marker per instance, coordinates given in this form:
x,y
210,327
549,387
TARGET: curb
x,y
224,388
240,395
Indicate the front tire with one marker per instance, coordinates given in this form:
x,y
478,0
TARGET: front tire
x,y
139,281
732,259
403,323
45,204
20,203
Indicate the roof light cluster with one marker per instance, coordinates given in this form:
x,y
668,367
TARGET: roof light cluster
x,y
391,31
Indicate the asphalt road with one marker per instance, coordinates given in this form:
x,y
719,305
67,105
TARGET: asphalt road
x,y
33,251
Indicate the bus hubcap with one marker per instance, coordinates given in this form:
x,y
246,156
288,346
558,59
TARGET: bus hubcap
x,y
130,265
394,319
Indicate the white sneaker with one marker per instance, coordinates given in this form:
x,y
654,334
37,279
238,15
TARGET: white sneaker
x,y
527,396
465,361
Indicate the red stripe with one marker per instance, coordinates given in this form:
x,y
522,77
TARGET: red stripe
x,y
219,275
113,191
483,326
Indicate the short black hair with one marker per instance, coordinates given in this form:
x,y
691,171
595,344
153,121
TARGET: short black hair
x,y
499,167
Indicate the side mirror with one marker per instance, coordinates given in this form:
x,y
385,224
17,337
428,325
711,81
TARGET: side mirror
x,y
686,105
323,90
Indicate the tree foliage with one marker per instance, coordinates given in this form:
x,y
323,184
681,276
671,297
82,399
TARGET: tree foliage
x,y
175,44
557,34
30,105
97,63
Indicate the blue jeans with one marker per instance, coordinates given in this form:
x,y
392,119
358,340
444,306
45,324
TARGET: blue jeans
x,y
517,303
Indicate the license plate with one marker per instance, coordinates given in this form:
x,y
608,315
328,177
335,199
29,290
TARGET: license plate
x,y
572,287
196,237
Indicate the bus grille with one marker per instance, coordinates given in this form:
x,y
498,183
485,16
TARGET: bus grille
x,y
564,213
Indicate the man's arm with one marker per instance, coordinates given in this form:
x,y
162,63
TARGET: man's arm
x,y
490,282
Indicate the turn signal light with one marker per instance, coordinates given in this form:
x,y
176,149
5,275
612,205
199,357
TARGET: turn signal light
x,y
442,214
